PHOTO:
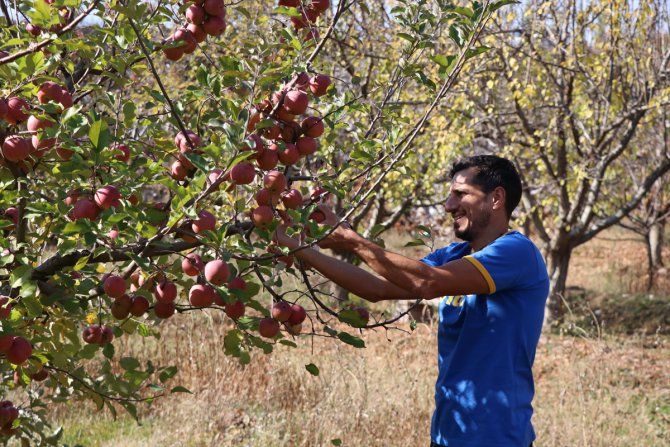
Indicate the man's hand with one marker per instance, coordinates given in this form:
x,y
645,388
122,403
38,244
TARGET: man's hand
x,y
283,239
341,236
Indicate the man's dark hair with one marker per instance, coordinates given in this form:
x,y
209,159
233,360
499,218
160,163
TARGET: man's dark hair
x,y
493,171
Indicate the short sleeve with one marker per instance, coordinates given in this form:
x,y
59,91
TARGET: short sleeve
x,y
443,255
508,262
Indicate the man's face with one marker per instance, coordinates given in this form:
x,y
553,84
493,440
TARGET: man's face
x,y
468,205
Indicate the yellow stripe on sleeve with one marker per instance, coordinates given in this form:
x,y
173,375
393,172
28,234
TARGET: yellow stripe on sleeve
x,y
485,273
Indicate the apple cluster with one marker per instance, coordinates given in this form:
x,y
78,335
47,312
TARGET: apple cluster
x,y
309,14
64,15
291,315
16,110
8,414
204,17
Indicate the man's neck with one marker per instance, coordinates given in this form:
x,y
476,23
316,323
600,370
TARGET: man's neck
x,y
493,233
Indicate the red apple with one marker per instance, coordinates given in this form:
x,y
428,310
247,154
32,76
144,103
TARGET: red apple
x,y
237,283
195,14
201,295
140,306
182,141
85,209
92,334
295,102
50,91
178,171
268,327
298,314
5,306
215,175
289,155
290,132
312,126
205,222
262,216
121,152
66,99
281,311
214,26
173,53
12,213
319,84
198,32
20,351
215,8
189,43
320,5
234,310
267,159
274,181
192,264
114,286
217,272
107,335
165,292
292,199
265,197
164,309
15,148
242,173
306,146
289,3
107,197
121,307
317,216
17,110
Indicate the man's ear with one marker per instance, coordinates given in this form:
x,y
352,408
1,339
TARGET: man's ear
x,y
499,195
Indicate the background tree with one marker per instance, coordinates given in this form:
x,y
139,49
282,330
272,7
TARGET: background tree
x,y
567,94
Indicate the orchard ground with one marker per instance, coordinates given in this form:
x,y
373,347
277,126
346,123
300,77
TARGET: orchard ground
x,y
602,377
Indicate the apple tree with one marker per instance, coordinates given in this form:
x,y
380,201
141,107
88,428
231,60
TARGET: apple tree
x,y
148,150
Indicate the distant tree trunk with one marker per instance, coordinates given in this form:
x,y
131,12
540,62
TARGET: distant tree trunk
x,y
654,240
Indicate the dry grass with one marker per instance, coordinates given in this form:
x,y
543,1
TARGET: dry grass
x,y
599,389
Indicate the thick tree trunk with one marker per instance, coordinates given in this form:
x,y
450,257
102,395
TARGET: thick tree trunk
x,y
559,261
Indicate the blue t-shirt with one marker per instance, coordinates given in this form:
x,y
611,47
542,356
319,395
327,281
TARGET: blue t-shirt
x,y
486,346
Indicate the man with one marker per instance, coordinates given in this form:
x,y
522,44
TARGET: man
x,y
494,285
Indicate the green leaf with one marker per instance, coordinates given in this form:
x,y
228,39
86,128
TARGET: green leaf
x,y
88,351
352,317
312,369
129,363
351,340
494,6
456,34
472,52
336,441
131,409
81,263
415,243
180,389
108,350
99,134
167,374
33,306
20,275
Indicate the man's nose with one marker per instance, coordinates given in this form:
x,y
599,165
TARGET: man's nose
x,y
451,204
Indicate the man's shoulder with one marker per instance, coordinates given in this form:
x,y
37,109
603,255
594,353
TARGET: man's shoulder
x,y
441,256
